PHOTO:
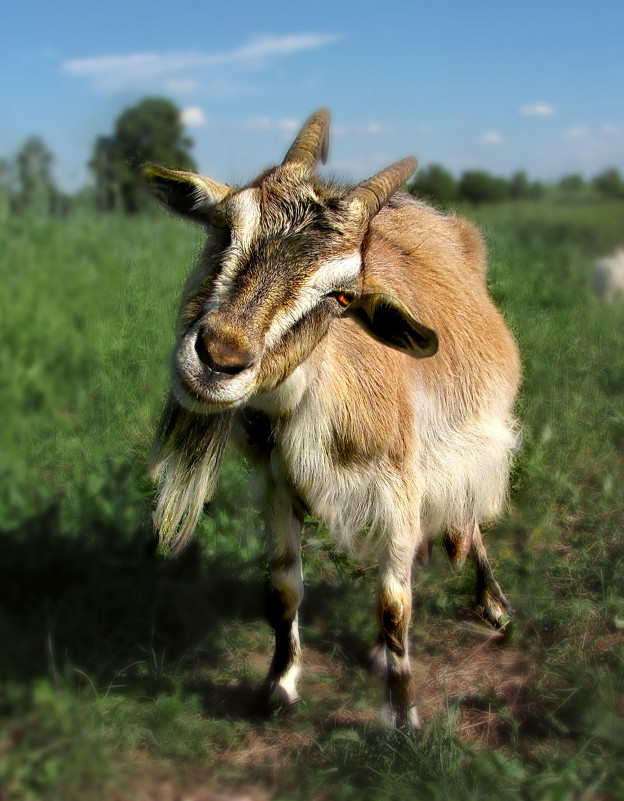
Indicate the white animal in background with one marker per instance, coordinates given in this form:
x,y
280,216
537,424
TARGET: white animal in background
x,y
607,279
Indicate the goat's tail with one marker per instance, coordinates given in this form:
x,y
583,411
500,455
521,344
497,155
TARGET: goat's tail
x,y
185,462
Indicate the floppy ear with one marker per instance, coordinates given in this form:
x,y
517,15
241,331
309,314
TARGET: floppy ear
x,y
389,321
185,193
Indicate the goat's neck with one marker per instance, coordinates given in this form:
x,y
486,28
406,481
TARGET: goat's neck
x,y
285,398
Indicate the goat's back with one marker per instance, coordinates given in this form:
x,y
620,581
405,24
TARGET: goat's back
x,y
437,265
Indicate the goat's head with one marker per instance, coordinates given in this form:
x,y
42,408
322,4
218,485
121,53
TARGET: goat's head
x,y
283,259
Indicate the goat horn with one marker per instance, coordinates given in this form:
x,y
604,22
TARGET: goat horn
x,y
312,142
372,194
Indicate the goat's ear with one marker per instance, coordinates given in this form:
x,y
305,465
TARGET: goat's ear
x,y
185,193
389,321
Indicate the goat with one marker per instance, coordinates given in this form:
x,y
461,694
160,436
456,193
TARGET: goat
x,y
608,276
345,337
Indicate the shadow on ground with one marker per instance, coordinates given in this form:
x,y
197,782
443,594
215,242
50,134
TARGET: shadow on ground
x,y
112,608
111,603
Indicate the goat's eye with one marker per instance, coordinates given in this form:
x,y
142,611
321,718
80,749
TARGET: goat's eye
x,y
344,297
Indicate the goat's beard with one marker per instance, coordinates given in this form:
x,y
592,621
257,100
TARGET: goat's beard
x,y
185,462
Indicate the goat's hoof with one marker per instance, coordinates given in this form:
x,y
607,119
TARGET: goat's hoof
x,y
273,698
496,610
400,718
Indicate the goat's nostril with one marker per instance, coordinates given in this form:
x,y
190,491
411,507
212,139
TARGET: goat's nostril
x,y
202,351
222,357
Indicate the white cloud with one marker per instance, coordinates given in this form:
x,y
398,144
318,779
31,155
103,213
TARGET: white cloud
x,y
107,64
490,138
265,46
193,117
611,130
538,110
578,132
115,71
288,125
180,85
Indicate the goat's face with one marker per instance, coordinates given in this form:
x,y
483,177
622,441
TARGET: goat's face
x,y
283,259
282,263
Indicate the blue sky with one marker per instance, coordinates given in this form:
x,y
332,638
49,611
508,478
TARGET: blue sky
x,y
494,85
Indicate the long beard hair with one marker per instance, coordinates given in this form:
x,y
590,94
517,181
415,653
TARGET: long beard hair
x,y
185,461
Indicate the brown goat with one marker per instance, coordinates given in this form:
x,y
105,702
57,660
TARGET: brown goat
x,y
346,338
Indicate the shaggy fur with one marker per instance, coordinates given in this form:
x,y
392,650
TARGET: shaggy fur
x,y
347,338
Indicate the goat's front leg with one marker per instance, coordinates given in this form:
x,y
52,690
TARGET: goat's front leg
x,y
394,609
284,594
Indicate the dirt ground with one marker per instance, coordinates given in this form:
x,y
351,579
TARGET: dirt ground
x,y
470,665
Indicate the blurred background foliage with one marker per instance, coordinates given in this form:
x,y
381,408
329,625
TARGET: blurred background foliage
x,y
152,130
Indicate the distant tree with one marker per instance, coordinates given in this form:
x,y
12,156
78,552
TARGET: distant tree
x,y
478,186
107,167
572,184
62,203
34,190
6,187
151,130
537,190
519,187
435,183
609,184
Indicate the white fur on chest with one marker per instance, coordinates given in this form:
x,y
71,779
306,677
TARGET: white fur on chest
x,y
350,500
458,475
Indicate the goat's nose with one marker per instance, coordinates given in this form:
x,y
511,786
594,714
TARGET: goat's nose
x,y
222,356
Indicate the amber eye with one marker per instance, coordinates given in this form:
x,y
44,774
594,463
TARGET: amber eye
x,y
344,297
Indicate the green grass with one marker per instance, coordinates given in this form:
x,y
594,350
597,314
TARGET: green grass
x,y
120,671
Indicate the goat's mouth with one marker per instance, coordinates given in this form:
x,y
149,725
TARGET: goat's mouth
x,y
203,389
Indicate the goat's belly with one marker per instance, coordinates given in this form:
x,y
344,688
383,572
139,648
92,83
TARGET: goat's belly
x,y
458,475
464,472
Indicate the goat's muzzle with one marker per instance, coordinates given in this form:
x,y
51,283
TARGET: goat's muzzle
x,y
221,355
214,367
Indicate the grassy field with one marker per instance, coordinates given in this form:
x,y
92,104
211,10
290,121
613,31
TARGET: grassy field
x,y
124,676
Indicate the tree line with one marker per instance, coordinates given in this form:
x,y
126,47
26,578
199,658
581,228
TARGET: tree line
x,y
152,130
440,186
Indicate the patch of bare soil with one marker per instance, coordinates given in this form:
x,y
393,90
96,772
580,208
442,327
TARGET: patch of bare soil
x,y
478,669
472,668
165,785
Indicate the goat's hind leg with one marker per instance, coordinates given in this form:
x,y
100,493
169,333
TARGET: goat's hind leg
x,y
458,545
490,596
284,595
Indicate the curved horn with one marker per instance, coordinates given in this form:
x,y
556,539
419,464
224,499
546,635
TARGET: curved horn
x,y
312,142
372,194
